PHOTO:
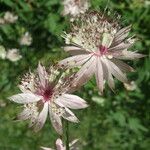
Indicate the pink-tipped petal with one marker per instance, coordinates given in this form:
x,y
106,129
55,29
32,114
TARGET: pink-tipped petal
x,y
59,145
42,118
69,115
128,55
85,73
74,50
99,75
121,35
25,98
74,60
120,46
24,115
56,120
46,148
74,145
42,74
123,66
116,72
71,48
107,74
73,101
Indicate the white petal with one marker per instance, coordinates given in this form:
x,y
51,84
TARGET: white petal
x,y
120,46
85,73
121,35
72,101
24,115
122,31
59,145
74,144
74,50
56,121
42,74
25,98
99,75
71,48
123,66
107,74
41,118
129,55
117,72
69,115
74,60
46,148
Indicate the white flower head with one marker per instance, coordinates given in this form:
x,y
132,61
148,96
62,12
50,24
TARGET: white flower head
x,y
46,92
26,39
75,7
13,55
10,17
99,45
2,52
60,145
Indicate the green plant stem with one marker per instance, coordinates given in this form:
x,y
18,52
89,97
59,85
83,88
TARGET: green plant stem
x,y
67,135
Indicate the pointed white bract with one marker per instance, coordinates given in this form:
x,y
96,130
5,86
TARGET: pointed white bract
x,y
75,7
45,93
98,45
60,145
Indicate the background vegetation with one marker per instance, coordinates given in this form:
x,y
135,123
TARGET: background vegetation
x,y
114,121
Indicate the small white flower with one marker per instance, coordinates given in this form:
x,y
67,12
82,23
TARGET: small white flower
x,y
26,39
2,52
13,55
10,17
44,93
75,7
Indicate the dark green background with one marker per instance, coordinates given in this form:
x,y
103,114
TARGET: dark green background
x,y
120,123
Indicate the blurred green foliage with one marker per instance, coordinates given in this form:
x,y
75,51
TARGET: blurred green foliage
x,y
114,121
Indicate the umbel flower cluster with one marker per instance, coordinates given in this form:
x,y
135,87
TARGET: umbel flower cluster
x,y
98,45
44,93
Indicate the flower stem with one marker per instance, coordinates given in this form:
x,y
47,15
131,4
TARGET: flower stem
x,y
67,135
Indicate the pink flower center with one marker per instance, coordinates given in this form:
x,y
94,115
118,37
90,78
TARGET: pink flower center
x,y
46,93
102,50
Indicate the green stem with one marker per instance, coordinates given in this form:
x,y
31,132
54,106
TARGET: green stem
x,y
67,135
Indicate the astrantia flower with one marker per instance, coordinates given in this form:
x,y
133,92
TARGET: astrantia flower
x,y
60,146
44,93
99,45
75,7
